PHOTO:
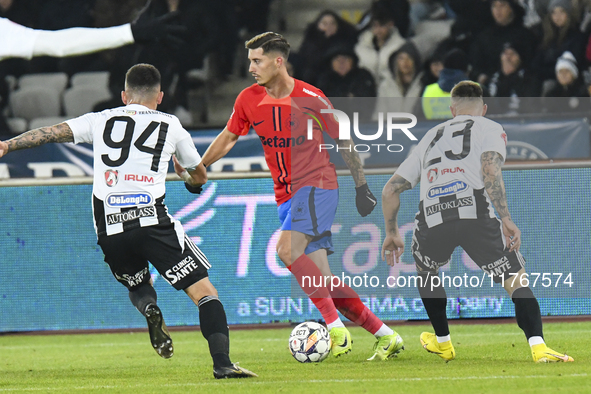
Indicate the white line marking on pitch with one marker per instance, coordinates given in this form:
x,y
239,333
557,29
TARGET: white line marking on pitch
x,y
185,342
259,382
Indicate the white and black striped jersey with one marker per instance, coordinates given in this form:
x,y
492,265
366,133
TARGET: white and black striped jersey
x,y
132,148
447,163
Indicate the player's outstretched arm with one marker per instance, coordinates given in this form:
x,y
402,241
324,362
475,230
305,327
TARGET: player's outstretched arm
x,y
393,245
364,199
491,163
37,137
219,147
82,40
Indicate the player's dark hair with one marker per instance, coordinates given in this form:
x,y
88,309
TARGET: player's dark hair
x,y
143,78
270,42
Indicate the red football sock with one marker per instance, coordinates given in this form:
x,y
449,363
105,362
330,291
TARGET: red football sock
x,y
348,303
314,287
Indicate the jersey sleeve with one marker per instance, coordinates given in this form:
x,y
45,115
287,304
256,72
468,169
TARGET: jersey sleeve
x,y
82,127
17,40
81,40
332,124
495,139
186,153
239,123
410,169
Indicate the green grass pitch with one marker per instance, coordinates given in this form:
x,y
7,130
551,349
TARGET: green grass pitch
x,y
490,359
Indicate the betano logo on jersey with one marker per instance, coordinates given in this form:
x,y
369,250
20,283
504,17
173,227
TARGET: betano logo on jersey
x,y
447,189
282,142
128,200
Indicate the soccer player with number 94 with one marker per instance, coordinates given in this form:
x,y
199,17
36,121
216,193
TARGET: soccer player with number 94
x,y
132,148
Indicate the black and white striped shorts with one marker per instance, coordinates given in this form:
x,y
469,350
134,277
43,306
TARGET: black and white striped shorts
x,y
128,253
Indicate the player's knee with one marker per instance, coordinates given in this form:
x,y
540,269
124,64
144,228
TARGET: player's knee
x,y
200,289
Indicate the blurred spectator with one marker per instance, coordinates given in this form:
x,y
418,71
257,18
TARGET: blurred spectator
x,y
532,18
486,48
561,34
400,11
513,80
579,8
436,97
327,32
345,78
375,46
472,16
432,68
421,10
568,85
404,80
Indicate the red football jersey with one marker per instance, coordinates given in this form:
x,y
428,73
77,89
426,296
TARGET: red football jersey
x,y
281,124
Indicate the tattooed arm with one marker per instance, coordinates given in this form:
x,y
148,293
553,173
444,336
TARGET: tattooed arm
x,y
393,245
492,176
37,137
346,147
491,163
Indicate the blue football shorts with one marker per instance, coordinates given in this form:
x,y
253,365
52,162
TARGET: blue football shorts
x,y
311,211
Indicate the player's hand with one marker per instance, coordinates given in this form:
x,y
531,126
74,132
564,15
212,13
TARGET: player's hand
x,y
365,200
512,234
165,28
3,148
178,168
392,248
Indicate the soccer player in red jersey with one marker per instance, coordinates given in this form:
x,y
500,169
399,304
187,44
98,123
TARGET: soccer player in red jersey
x,y
305,179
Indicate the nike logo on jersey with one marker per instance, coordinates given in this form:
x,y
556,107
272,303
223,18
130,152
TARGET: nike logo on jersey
x,y
297,220
256,124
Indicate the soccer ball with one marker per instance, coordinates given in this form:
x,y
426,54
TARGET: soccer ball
x,y
309,342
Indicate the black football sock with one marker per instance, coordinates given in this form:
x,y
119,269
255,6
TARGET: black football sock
x,y
435,302
142,297
214,328
527,312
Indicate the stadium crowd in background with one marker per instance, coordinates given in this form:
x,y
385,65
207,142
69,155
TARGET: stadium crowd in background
x,y
514,47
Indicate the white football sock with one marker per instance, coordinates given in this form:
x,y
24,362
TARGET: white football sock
x,y
535,341
336,323
443,339
384,330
